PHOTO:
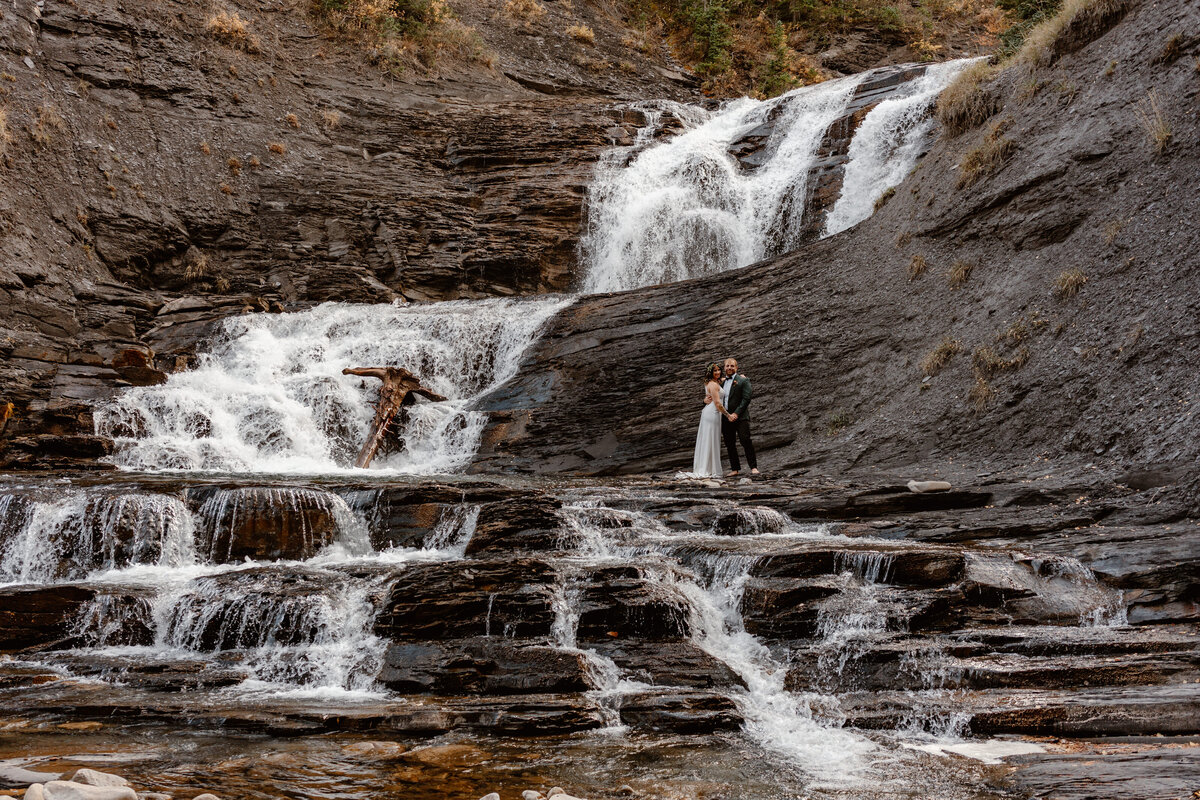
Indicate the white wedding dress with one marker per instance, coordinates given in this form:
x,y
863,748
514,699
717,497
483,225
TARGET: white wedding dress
x,y
706,463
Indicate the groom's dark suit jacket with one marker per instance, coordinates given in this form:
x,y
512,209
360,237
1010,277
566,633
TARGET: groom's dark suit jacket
x,y
739,398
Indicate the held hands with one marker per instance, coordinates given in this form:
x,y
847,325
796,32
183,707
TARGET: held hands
x,y
731,417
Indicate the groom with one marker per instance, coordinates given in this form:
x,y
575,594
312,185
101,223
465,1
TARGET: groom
x,y
735,396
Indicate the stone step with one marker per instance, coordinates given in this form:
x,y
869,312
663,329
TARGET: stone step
x,y
544,714
1172,709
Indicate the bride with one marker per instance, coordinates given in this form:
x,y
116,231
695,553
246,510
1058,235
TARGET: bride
x,y
706,463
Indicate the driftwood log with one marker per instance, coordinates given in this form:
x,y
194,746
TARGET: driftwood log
x,y
399,389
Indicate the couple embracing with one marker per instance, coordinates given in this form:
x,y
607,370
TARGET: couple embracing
x,y
726,413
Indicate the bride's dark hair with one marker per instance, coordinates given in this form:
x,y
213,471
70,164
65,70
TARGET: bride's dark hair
x,y
708,376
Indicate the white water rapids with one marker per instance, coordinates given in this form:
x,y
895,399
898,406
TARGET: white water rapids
x,y
270,395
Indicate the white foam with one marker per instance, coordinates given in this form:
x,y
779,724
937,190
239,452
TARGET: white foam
x,y
271,397
887,144
989,751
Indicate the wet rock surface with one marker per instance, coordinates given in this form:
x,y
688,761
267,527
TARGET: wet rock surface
x,y
833,336
521,610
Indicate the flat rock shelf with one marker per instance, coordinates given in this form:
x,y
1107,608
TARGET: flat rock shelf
x,y
647,638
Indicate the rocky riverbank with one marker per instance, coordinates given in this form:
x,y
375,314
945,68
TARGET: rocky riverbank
x,y
748,615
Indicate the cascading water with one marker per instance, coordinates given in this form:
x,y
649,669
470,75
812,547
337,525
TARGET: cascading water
x,y
711,589
73,534
887,144
686,207
168,588
270,396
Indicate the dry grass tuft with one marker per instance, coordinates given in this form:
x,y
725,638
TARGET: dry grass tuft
x,y
204,148
904,238
981,395
959,272
1076,21
292,119
987,362
196,267
254,163
940,356
1112,229
527,11
1016,332
838,421
1154,122
5,135
917,267
331,118
225,188
46,123
234,31
986,158
582,34
1068,283
967,102
1172,49
403,35
278,148
235,166
883,199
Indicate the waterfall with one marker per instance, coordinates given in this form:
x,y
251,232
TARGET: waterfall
x,y
74,534
687,207
887,144
169,583
270,395
711,587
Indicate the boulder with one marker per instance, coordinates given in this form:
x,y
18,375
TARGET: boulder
x,y
14,777
70,790
267,523
93,777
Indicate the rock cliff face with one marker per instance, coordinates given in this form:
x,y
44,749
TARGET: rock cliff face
x,y
981,276
146,160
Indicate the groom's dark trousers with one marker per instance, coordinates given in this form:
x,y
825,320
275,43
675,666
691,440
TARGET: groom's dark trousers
x,y
732,432
738,430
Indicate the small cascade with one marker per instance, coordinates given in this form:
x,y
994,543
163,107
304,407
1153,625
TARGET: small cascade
x,y
454,530
870,566
710,585
1051,587
597,533
887,144
780,721
1100,606
601,671
752,521
310,630
270,396
273,522
79,533
847,622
